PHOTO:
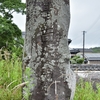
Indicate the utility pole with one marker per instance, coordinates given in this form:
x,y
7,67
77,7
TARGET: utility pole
x,y
83,42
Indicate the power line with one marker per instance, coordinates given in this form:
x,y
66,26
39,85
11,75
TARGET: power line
x,y
80,36
94,23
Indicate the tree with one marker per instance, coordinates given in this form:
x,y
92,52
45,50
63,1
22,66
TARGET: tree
x,y
8,7
46,68
10,34
96,49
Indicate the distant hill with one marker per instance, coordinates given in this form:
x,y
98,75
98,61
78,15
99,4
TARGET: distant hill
x,y
96,49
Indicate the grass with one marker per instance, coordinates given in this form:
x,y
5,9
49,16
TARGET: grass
x,y
84,91
11,77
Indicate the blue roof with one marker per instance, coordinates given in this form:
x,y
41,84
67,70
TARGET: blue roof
x,y
92,56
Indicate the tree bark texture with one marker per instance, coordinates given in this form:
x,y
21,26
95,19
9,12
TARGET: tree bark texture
x,y
46,53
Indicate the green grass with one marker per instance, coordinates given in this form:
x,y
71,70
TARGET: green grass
x,y
84,91
10,77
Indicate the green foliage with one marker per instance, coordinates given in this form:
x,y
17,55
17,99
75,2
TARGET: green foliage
x,y
10,77
79,60
84,91
7,7
10,34
76,60
96,49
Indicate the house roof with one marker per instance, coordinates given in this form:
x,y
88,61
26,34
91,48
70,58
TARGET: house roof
x,y
92,56
74,51
85,50
69,41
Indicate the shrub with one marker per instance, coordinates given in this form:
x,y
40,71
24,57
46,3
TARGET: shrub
x,y
76,60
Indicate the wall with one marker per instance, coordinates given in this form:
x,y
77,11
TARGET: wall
x,y
85,67
94,62
89,72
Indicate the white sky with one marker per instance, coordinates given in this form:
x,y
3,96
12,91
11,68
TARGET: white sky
x,y
85,16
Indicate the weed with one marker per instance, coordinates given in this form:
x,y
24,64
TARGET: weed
x,y
10,76
84,91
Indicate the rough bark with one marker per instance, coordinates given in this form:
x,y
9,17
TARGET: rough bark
x,y
46,51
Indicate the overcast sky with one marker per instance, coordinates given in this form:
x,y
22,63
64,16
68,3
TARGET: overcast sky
x,y
85,16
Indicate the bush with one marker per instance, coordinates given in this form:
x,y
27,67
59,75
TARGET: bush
x,y
76,60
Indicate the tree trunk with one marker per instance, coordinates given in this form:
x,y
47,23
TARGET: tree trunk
x,y
46,57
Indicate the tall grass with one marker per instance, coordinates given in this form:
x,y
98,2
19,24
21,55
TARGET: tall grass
x,y
84,91
10,77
